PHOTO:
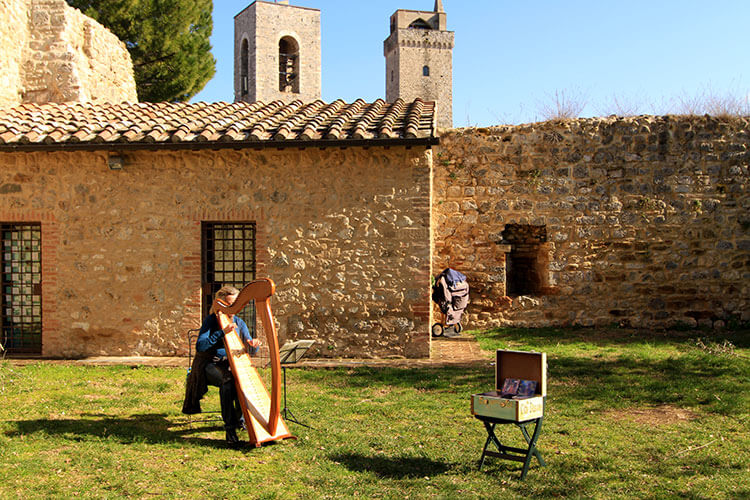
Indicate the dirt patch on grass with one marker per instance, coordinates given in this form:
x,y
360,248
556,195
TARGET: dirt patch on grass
x,y
657,415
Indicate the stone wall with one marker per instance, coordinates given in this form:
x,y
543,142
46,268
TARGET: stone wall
x,y
639,221
347,244
59,55
14,22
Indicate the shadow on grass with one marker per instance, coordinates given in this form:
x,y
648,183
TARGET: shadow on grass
x,y
440,379
143,428
714,384
637,368
608,337
390,467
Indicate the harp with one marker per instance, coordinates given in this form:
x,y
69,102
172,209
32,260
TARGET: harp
x,y
262,411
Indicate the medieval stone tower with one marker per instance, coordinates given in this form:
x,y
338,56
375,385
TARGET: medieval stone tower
x,y
419,60
276,53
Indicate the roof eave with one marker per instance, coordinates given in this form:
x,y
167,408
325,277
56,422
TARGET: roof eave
x,y
216,145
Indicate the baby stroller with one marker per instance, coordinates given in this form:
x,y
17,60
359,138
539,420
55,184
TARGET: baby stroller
x,y
451,293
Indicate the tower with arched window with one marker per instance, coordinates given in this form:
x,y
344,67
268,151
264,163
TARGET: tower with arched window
x,y
276,53
419,60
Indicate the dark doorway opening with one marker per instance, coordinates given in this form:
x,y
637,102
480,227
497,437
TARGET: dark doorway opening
x,y
525,265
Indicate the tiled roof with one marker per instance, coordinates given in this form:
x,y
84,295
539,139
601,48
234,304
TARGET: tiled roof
x,y
215,125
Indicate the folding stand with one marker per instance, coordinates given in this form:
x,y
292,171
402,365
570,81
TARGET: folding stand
x,y
508,452
290,353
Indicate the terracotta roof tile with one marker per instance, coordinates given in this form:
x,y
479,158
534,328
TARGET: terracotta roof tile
x,y
77,125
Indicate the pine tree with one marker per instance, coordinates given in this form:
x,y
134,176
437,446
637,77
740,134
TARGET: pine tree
x,y
168,42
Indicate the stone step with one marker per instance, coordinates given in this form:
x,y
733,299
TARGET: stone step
x,y
458,338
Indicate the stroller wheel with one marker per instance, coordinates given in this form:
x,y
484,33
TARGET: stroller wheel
x,y
458,328
437,330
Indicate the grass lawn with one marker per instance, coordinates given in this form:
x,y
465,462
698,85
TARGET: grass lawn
x,y
628,415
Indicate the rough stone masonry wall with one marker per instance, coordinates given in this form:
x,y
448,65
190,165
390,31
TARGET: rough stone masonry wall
x,y
13,39
646,219
347,244
56,54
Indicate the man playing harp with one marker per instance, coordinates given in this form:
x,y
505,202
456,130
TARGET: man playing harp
x,y
211,367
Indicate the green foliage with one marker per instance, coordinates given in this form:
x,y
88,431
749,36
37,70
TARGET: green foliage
x,y
629,415
168,41
533,177
696,206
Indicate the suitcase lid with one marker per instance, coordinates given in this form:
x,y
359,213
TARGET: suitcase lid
x,y
524,365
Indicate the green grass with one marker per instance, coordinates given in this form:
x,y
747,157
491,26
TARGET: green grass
x,y
628,415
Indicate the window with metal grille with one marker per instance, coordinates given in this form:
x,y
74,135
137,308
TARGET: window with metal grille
x,y
228,255
21,265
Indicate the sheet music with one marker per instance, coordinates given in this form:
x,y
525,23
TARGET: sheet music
x,y
291,352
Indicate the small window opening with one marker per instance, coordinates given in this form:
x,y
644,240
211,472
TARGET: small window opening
x,y
526,264
288,65
243,68
391,75
420,24
425,71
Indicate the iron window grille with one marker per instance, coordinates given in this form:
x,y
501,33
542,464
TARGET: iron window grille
x,y
228,257
21,264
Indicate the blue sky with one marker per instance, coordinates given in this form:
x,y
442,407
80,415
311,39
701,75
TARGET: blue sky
x,y
513,57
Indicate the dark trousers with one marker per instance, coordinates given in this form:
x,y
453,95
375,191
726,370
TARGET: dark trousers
x,y
218,375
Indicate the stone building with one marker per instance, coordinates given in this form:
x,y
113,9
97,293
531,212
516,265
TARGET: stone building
x,y
119,222
419,60
640,222
277,53
53,53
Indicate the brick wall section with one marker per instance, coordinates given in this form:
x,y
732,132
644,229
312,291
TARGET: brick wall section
x,y
50,244
646,219
53,53
344,233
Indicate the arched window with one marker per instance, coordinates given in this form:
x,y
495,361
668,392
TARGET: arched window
x,y
288,65
425,71
243,68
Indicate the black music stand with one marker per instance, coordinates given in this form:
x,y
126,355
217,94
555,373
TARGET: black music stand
x,y
291,353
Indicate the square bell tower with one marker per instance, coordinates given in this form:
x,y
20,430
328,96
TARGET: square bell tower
x,y
277,53
419,60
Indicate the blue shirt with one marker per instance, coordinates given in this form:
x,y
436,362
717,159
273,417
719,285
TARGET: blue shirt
x,y
211,336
